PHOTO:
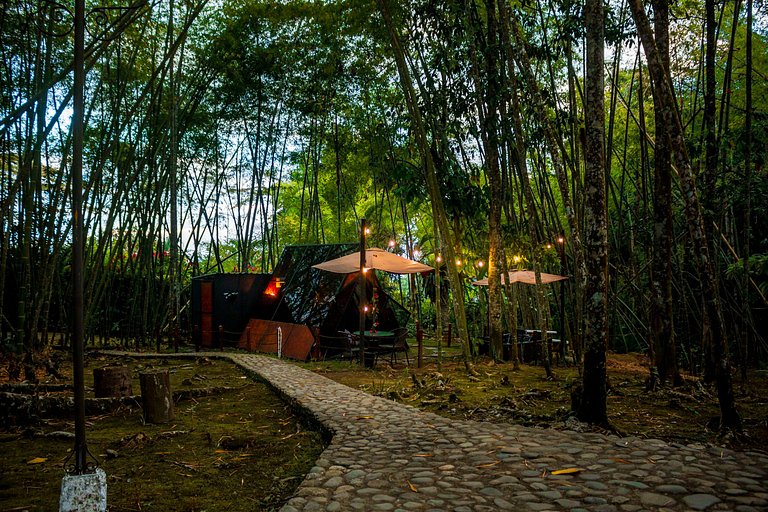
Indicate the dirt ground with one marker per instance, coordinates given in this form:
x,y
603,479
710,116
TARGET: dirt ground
x,y
686,414
242,446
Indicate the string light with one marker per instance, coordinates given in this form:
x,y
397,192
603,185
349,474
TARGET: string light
x,y
480,263
560,240
365,308
391,243
549,246
458,263
439,258
367,231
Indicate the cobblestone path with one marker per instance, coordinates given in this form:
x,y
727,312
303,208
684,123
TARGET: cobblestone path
x,y
388,456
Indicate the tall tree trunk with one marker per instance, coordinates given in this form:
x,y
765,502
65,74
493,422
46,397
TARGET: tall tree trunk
x,y
490,135
433,186
712,320
663,337
593,407
711,157
744,343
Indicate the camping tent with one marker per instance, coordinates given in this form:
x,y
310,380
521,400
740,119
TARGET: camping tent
x,y
320,302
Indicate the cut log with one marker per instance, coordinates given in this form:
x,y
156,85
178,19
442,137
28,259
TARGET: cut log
x,y
112,381
27,409
21,410
156,399
26,388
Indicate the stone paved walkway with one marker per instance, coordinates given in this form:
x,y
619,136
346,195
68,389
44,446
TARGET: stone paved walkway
x,y
388,456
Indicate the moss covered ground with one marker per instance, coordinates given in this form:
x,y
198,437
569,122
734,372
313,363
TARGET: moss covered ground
x,y
243,449
496,392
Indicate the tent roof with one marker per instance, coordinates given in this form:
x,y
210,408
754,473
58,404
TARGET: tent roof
x,y
374,258
525,276
307,295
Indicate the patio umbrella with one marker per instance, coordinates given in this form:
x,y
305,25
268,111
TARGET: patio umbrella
x,y
374,258
525,276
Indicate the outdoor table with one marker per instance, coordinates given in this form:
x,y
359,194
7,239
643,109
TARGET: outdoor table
x,y
377,334
372,344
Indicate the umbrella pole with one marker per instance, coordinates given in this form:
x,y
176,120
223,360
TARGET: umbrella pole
x,y
361,292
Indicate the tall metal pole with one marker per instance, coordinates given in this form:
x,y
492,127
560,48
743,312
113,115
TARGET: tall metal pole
x,y
361,291
561,245
78,330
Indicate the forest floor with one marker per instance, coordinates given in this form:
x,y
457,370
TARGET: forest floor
x,y
240,445
243,445
685,414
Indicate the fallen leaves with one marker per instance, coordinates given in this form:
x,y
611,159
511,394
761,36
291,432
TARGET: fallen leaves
x,y
567,471
37,460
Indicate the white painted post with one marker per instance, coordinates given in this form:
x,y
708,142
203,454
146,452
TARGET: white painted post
x,y
279,342
84,493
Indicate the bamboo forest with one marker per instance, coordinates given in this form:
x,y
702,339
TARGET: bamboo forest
x,y
578,183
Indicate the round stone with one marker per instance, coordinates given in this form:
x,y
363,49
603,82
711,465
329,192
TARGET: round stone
x,y
700,501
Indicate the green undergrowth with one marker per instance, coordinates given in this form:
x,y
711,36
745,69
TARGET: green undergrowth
x,y
242,449
496,392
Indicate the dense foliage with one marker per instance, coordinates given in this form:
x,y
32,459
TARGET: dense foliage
x,y
272,123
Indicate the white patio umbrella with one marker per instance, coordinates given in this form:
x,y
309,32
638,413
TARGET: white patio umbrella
x,y
525,276
374,258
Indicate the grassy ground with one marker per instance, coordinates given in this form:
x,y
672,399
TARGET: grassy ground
x,y
244,447
498,393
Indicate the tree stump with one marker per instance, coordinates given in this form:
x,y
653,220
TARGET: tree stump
x,y
156,398
112,381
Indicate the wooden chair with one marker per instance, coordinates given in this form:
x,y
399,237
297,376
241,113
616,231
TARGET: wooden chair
x,y
339,346
399,344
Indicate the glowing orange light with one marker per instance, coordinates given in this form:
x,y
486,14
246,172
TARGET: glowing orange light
x,y
560,240
439,258
367,231
549,246
458,263
365,308
365,269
